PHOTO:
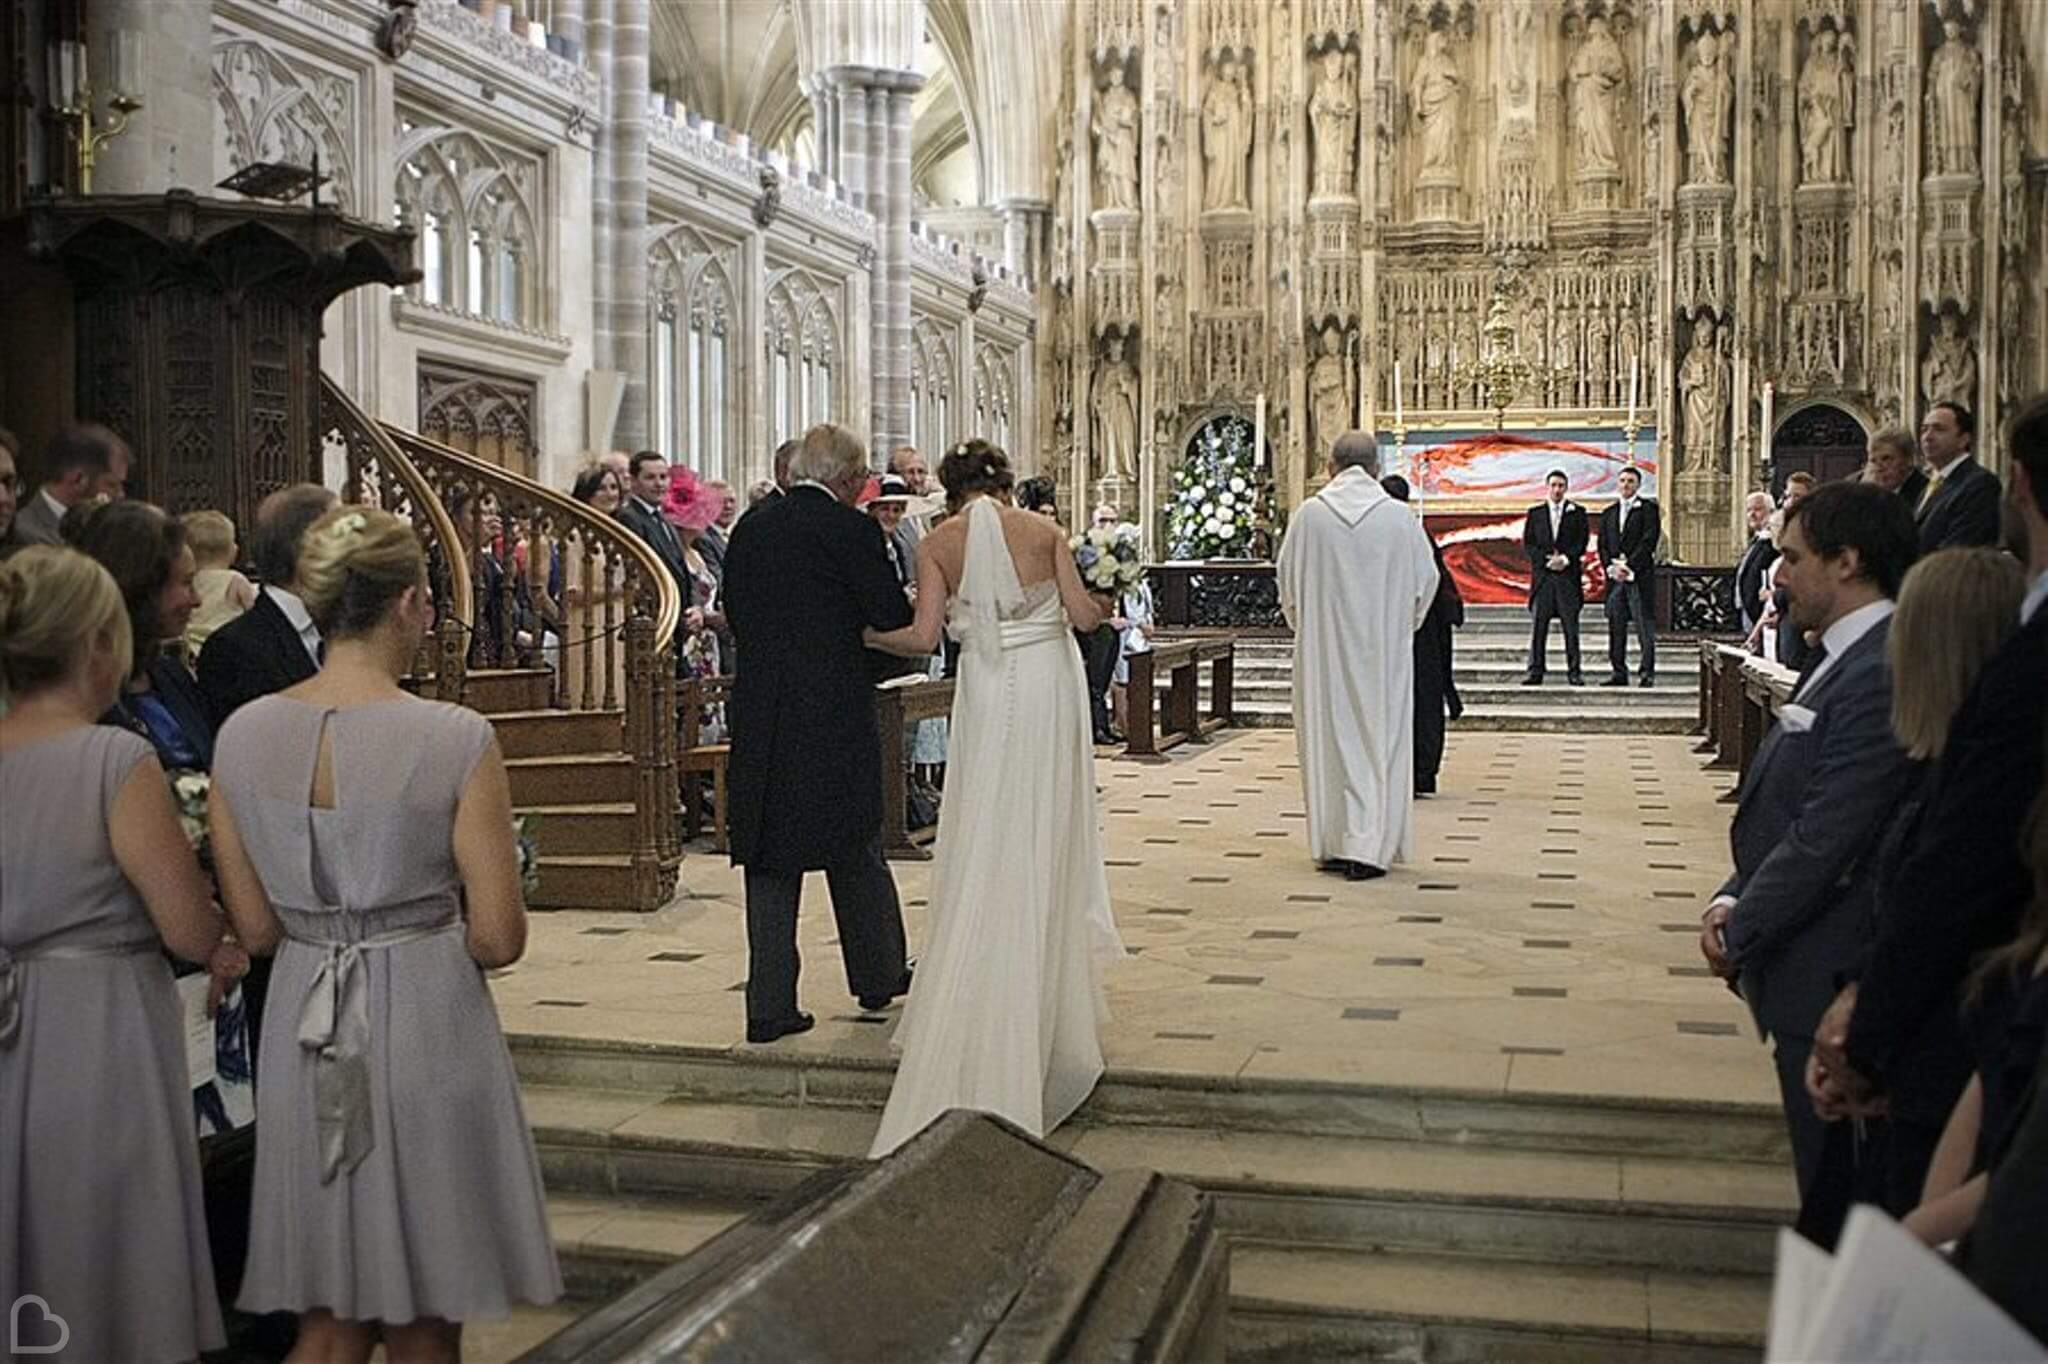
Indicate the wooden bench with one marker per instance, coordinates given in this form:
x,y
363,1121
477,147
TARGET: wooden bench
x,y
698,761
1727,702
1158,722
898,709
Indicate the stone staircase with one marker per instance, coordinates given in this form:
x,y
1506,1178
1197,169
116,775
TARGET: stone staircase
x,y
1489,656
1365,1223
571,773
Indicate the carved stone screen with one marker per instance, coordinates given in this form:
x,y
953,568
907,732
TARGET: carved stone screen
x,y
479,413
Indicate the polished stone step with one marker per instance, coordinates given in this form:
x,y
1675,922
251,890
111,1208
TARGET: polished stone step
x,y
1705,1128
607,1244
1432,1198
1292,1303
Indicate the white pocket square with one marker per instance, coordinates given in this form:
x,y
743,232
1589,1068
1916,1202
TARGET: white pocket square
x,y
1796,719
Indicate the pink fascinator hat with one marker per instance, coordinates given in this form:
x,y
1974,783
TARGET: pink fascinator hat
x,y
690,504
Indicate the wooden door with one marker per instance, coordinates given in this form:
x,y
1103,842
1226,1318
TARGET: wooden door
x,y
1821,440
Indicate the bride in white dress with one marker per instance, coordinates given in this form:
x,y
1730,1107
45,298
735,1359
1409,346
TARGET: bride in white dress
x,y
1006,1004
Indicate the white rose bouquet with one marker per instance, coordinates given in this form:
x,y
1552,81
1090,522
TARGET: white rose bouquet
x,y
1108,558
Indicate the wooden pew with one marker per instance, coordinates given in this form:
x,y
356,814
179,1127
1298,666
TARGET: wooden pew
x,y
1158,722
698,761
1728,661
898,710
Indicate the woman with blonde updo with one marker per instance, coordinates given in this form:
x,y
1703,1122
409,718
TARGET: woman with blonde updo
x,y
98,1159
365,836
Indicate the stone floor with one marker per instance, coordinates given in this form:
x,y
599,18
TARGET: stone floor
x,y
1542,939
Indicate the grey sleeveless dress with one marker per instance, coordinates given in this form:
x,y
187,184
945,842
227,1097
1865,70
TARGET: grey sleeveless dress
x,y
395,1174
100,1207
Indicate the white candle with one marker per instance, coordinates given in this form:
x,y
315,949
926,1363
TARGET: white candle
x,y
1635,378
1259,434
1358,421
1770,406
1398,423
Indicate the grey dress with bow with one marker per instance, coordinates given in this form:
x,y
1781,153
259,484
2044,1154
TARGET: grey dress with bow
x,y
100,1208
396,1176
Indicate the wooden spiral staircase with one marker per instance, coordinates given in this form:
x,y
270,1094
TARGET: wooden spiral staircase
x,y
593,764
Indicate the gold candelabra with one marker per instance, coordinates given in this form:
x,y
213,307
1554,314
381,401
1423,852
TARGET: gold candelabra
x,y
71,100
1500,371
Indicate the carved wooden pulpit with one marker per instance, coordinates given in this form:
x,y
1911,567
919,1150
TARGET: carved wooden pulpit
x,y
191,327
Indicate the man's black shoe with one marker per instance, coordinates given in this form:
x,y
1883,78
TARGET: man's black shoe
x,y
1577,679
1617,680
1363,871
1647,683
876,1003
1533,680
772,1029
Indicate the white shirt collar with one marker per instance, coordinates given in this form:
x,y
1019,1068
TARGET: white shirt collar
x,y
1841,637
813,483
57,509
1945,470
295,612
2037,592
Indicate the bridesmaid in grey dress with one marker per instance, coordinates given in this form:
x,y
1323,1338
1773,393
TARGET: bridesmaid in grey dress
x,y
99,1164
365,836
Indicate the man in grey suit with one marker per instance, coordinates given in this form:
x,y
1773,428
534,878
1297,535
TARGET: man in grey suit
x,y
1797,909
83,461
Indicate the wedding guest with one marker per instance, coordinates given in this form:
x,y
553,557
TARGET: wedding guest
x,y
1133,622
397,1190
1891,460
479,526
907,464
646,488
10,490
594,599
222,590
104,1220
1960,506
689,508
83,462
1039,494
1436,685
712,544
274,643
761,490
1788,643
1753,568
152,563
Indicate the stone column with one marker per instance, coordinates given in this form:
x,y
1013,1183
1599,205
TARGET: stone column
x,y
628,130
169,141
597,55
850,139
889,200
1023,226
567,20
825,134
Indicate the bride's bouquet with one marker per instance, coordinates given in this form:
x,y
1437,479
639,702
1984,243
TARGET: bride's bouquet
x,y
1108,558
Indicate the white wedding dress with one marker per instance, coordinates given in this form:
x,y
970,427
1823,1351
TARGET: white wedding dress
x,y
1006,1006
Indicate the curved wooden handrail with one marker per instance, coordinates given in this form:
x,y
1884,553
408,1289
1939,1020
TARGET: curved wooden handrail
x,y
401,489
565,512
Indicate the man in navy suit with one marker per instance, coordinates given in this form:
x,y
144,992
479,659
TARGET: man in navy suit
x,y
274,644
1961,889
1960,506
1554,537
1793,914
1629,532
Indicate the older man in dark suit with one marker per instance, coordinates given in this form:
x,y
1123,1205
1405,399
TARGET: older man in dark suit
x,y
803,576
1960,506
274,644
1554,537
1793,914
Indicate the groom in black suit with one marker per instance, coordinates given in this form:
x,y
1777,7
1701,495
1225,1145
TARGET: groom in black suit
x,y
1554,537
1629,532
804,575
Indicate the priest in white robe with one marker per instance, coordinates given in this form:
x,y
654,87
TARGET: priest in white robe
x,y
1356,579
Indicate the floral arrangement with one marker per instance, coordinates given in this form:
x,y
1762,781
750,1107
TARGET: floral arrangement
x,y
529,854
1213,512
1108,558
191,790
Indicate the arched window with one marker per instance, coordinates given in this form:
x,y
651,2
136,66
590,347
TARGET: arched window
x,y
803,355
931,387
467,203
994,396
692,321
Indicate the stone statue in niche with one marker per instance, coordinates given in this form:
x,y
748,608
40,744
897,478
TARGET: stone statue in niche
x,y
1564,356
1955,80
1329,389
1333,112
1524,42
1226,138
1703,387
1437,95
1116,412
1949,373
1827,110
1599,361
1709,101
1599,78
1116,143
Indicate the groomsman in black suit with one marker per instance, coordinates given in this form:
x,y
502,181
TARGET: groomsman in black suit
x,y
1555,538
1629,532
1960,506
274,644
646,486
803,575
1794,914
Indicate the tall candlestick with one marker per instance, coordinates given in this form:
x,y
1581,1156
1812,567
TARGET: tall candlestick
x,y
1398,422
1259,434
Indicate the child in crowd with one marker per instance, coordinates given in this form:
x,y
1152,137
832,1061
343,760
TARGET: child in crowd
x,y
223,592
